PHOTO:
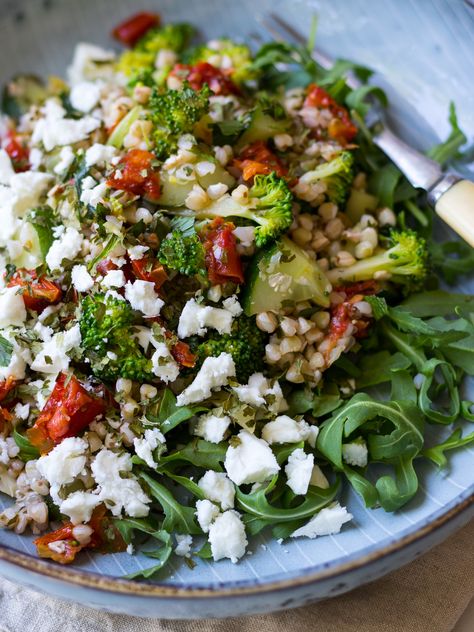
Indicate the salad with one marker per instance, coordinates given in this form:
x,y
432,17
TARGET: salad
x,y
206,265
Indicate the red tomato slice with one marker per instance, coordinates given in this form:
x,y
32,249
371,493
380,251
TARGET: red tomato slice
x,y
148,269
257,158
38,292
134,28
70,408
18,152
217,80
6,386
183,354
222,259
135,174
340,128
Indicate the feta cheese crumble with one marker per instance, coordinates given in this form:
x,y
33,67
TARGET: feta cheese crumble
x,y
81,279
183,545
206,512
227,537
142,296
299,470
118,487
195,318
145,446
214,373
328,521
218,488
259,392
12,307
66,246
53,356
284,429
251,461
355,453
211,427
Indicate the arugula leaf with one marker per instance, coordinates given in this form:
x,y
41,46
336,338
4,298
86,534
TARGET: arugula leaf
x,y
379,306
199,453
380,367
454,441
429,385
28,452
449,150
438,303
403,387
178,518
357,99
259,513
42,218
383,183
185,482
169,414
127,527
452,259
398,447
6,351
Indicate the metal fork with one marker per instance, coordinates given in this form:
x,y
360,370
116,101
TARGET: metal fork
x,y
451,197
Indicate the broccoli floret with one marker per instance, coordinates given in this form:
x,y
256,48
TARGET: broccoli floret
x,y
337,174
175,112
245,343
264,121
238,55
107,342
139,63
183,253
405,262
268,205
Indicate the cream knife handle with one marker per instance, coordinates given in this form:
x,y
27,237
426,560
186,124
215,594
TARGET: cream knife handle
x,y
455,206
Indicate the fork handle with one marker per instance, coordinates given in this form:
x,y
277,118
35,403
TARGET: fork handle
x,y
455,206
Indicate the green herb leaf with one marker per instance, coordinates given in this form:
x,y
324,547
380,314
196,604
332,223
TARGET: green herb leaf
x,y
449,150
6,351
43,220
379,306
380,367
199,453
178,518
438,303
28,452
454,441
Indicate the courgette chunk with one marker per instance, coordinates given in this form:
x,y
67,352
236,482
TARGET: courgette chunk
x,y
281,274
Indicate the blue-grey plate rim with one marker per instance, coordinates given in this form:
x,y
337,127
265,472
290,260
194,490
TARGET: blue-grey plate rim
x,y
460,509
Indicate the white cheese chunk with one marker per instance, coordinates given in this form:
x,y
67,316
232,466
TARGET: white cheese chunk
x,y
328,521
88,62
218,488
93,195
81,279
63,464
259,392
67,246
99,154
6,168
214,373
195,319
299,470
145,446
284,429
183,545
79,506
251,461
206,513
164,366
227,537
117,492
84,96
355,453
142,296
66,158
12,307
55,130
212,428
53,356
114,278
